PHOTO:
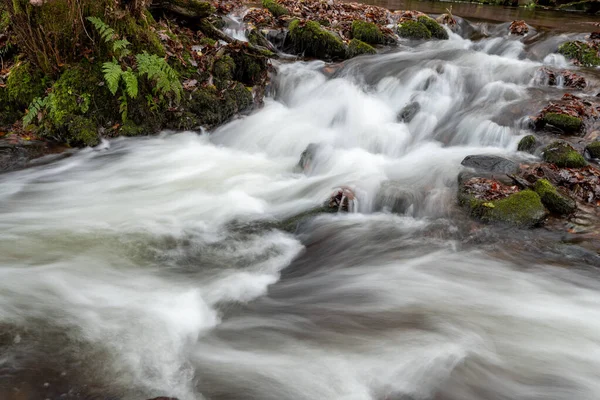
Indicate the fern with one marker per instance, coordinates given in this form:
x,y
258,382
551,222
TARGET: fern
x,y
112,75
161,73
123,105
37,105
120,47
131,83
106,32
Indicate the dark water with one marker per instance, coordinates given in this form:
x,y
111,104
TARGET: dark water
x,y
145,267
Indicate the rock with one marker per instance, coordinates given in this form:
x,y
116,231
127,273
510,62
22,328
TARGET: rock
x,y
275,8
563,155
518,28
555,201
164,398
504,179
490,163
367,32
413,30
593,149
393,197
528,144
522,209
409,112
19,154
563,78
581,53
342,199
566,123
437,31
357,48
312,40
307,157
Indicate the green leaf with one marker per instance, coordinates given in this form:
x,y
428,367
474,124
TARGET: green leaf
x,y
131,83
112,75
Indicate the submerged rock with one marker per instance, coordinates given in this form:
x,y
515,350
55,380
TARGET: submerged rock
x,y
408,113
307,157
393,197
563,78
563,155
490,163
528,144
555,201
593,149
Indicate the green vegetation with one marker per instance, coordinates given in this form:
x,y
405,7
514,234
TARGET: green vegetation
x,y
564,122
437,31
25,83
552,199
367,32
357,48
583,53
413,30
594,149
563,155
522,209
311,39
527,144
275,8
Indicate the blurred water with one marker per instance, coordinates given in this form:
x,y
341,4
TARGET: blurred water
x,y
142,269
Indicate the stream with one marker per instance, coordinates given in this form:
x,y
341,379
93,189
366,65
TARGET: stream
x,y
146,267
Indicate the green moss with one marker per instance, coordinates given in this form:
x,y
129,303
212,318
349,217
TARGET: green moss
x,y
275,8
206,41
356,48
566,123
437,31
82,131
25,83
580,51
141,35
223,69
563,155
552,199
194,8
527,144
413,30
212,107
9,110
130,128
594,149
367,32
523,209
312,40
249,68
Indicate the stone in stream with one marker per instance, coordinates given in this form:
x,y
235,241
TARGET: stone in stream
x,y
490,163
408,112
553,199
593,149
518,28
563,155
307,157
528,144
394,197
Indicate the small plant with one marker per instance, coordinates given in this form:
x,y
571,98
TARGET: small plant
x,y
37,106
109,36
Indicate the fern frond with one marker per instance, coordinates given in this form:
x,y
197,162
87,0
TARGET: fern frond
x,y
161,73
131,83
36,106
121,46
123,107
112,75
106,32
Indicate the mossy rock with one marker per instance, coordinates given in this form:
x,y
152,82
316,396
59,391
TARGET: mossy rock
x,y
9,110
312,40
563,155
437,31
567,123
275,8
367,32
554,200
523,209
249,69
594,149
223,69
212,107
580,51
357,48
25,82
413,30
528,144
81,131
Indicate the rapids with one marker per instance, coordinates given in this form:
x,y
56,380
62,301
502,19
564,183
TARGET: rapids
x,y
142,268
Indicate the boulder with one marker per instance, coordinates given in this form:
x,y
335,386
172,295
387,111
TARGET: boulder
x,y
312,40
528,144
593,149
567,123
563,155
357,48
367,32
490,163
553,199
580,52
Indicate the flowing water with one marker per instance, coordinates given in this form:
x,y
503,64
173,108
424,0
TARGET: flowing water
x,y
145,267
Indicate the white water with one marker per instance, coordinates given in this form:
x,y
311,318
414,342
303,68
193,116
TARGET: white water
x,y
121,272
